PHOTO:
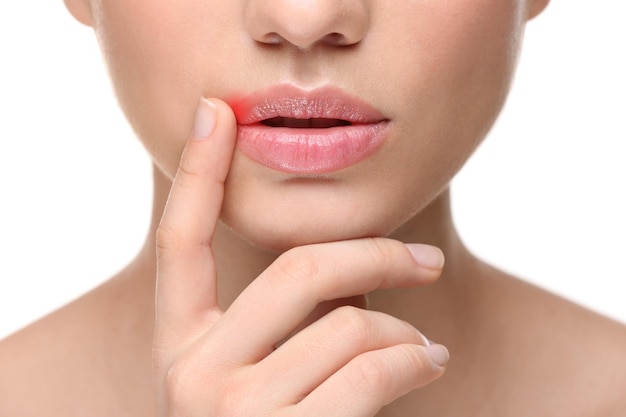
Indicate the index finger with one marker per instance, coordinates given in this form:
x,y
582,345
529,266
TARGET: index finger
x,y
186,276
284,295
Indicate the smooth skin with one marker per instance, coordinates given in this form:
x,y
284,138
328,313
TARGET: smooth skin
x,y
324,312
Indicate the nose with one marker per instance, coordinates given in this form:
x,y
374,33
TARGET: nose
x,y
304,23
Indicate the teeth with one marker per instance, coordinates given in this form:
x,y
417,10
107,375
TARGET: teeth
x,y
318,123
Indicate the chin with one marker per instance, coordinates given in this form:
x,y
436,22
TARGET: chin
x,y
278,212
288,234
281,228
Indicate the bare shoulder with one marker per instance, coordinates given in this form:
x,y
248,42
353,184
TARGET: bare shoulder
x,y
597,364
75,362
600,363
576,357
35,363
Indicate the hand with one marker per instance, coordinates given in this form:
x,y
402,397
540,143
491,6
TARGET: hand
x,y
208,362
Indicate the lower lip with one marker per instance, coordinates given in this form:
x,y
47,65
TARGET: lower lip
x,y
310,151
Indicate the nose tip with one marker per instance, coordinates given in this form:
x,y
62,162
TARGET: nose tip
x,y
304,23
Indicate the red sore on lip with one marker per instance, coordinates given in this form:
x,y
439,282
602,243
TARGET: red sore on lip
x,y
239,105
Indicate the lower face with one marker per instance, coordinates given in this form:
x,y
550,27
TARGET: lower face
x,y
438,71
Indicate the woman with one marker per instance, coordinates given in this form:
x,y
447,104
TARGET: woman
x,y
345,147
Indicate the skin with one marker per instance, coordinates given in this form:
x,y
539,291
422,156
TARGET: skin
x,y
298,284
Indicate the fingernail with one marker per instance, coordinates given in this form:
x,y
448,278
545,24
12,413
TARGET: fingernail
x,y
426,255
438,354
425,341
205,119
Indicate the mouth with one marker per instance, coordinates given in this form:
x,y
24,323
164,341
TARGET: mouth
x,y
297,131
316,123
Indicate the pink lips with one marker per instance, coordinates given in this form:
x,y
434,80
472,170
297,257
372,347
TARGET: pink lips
x,y
307,132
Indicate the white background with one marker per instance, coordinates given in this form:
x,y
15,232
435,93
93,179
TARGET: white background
x,y
542,198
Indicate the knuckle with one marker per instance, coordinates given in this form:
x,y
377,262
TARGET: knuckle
x,y
353,324
413,357
297,265
392,372
167,238
187,169
193,171
371,375
381,251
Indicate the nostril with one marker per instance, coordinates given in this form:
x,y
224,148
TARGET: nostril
x,y
303,24
332,39
272,39
335,39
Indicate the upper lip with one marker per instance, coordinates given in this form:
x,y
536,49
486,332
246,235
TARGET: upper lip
x,y
281,105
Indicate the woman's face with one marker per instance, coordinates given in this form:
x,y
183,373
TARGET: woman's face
x,y
436,73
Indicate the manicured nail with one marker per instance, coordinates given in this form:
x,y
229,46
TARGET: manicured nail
x,y
438,354
205,119
428,256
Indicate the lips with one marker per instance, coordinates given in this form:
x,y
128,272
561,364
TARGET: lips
x,y
305,132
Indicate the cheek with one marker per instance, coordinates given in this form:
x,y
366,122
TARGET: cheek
x,y
457,57
455,73
157,53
